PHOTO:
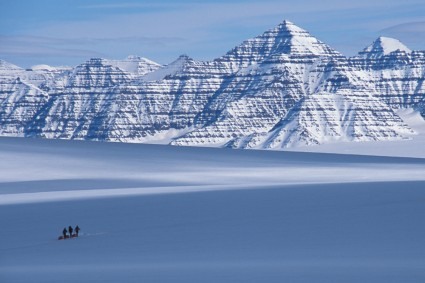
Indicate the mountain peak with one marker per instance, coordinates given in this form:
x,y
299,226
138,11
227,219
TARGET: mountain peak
x,y
183,57
135,65
180,62
383,46
133,58
175,67
285,38
94,62
139,59
4,65
288,27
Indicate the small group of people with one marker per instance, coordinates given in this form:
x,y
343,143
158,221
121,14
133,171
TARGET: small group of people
x,y
70,230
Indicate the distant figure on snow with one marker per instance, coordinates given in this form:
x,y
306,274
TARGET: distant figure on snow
x,y
70,231
77,230
64,232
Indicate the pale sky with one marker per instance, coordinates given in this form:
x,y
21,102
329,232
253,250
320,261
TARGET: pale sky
x,y
69,32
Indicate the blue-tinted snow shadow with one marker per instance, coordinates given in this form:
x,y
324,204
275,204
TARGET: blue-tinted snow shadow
x,y
355,232
80,184
159,157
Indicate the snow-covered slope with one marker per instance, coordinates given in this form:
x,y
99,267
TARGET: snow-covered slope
x,y
38,75
165,214
286,38
175,67
406,148
135,65
328,118
20,102
283,88
383,46
76,101
8,69
44,67
391,72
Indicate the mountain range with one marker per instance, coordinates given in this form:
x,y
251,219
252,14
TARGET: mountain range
x,y
283,88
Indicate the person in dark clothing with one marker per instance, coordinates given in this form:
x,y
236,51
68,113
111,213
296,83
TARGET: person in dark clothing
x,y
64,233
70,231
77,230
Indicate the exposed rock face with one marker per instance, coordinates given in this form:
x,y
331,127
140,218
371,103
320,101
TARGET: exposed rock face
x,y
76,100
19,103
323,118
392,72
283,88
20,98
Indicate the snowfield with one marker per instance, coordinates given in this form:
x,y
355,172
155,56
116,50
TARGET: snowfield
x,y
155,213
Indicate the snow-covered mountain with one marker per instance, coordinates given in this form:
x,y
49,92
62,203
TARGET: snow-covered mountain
x,y
135,65
280,89
383,46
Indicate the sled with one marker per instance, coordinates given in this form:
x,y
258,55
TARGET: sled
x,y
67,237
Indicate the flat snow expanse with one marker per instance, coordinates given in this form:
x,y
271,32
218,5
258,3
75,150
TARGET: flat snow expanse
x,y
152,213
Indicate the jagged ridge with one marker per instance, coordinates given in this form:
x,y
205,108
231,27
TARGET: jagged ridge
x,y
283,88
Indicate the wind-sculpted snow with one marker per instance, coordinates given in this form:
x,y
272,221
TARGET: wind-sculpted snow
x,y
283,88
154,213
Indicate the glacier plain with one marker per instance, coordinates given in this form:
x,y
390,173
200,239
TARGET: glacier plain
x,y
155,213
